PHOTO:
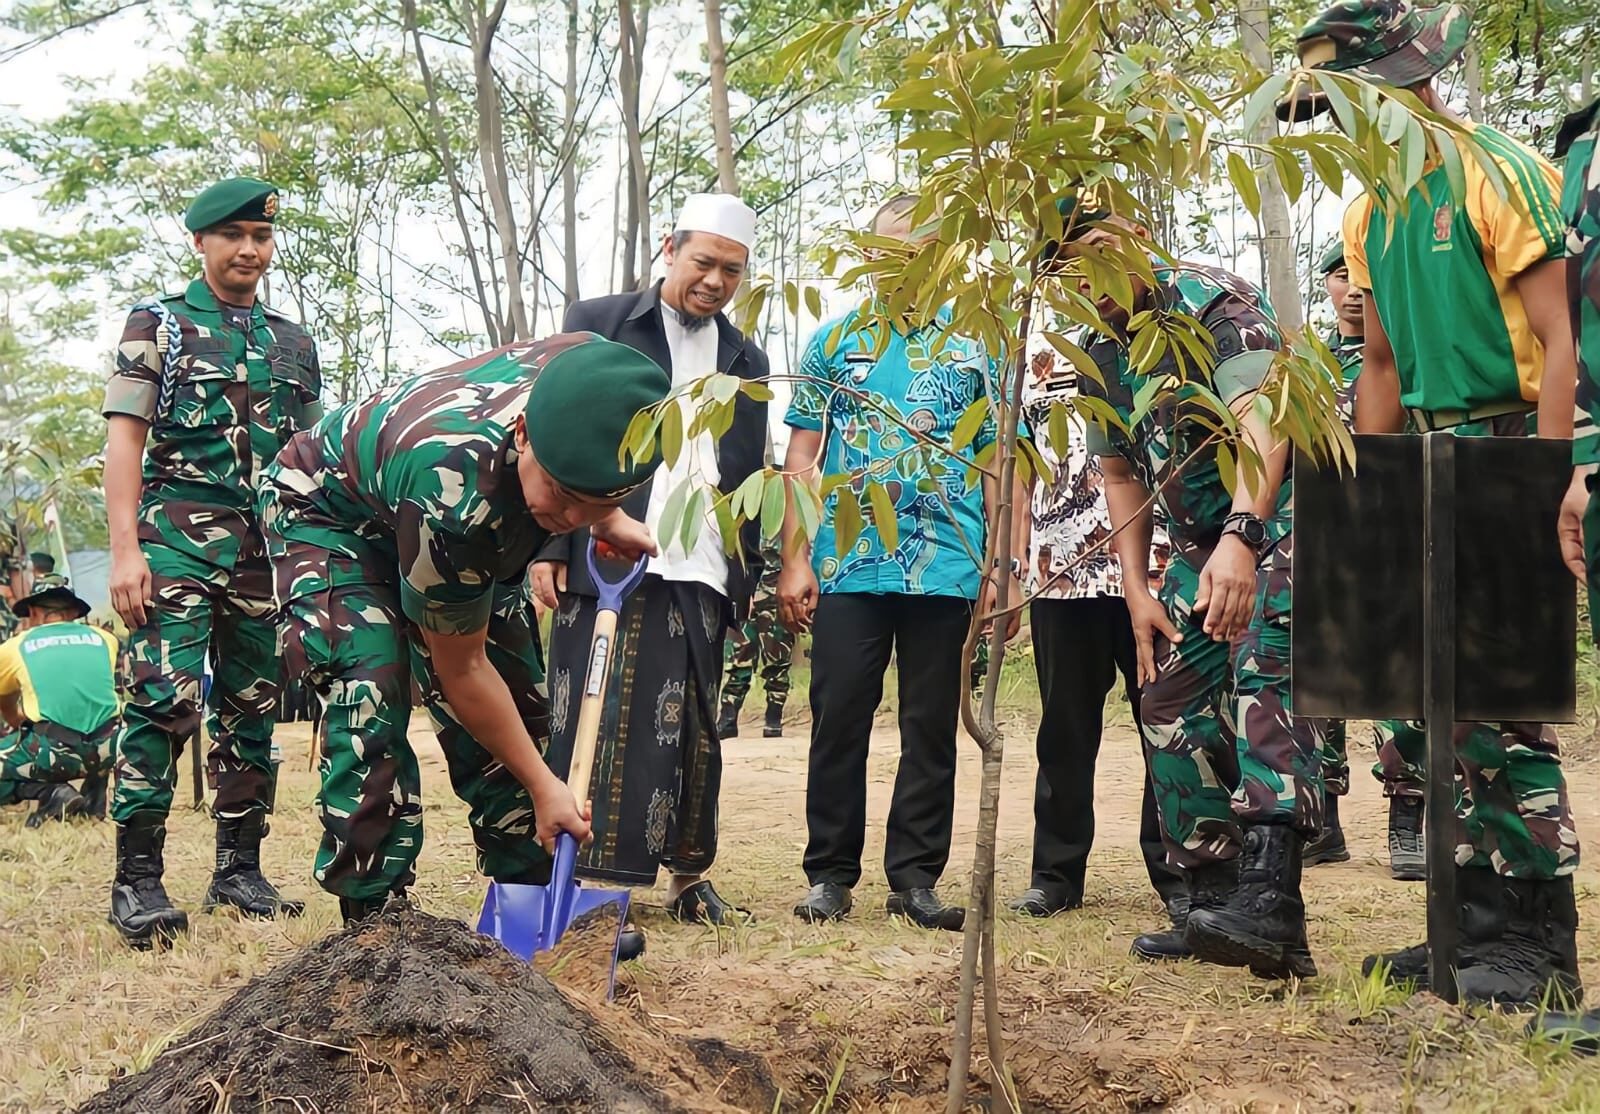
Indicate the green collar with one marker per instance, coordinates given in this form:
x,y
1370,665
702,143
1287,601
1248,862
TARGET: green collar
x,y
200,297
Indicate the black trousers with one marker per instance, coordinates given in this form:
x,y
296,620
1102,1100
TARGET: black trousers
x,y
852,638
1079,647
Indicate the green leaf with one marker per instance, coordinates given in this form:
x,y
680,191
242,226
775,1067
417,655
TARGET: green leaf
x,y
847,520
671,523
1243,177
772,502
727,528
694,519
746,501
1227,469
1059,431
970,422
883,514
1266,97
807,509
814,302
756,389
671,432
724,387
1343,111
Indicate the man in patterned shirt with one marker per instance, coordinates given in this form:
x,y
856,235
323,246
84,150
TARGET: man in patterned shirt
x,y
866,600
1081,641
401,529
206,388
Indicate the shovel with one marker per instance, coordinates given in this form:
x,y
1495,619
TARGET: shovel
x,y
587,922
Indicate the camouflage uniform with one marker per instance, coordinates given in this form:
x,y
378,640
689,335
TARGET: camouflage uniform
x,y
399,511
760,636
237,398
1224,749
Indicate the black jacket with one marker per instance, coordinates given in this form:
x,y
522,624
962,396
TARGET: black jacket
x,y
635,320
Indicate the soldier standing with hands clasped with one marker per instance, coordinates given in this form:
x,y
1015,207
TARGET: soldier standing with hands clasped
x,y
206,388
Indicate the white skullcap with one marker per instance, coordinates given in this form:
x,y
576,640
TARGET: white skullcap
x,y
720,214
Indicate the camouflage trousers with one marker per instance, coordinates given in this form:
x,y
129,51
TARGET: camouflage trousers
x,y
33,756
346,636
760,638
1393,739
1223,747
199,607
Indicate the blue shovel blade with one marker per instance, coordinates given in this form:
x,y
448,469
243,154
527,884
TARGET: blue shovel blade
x,y
530,920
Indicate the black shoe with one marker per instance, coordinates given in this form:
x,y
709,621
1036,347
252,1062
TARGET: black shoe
x,y
1329,846
922,907
1407,860
140,907
58,803
1156,947
826,901
1580,1031
94,795
728,721
1262,925
701,904
630,943
772,727
237,881
1535,960
1480,918
1046,901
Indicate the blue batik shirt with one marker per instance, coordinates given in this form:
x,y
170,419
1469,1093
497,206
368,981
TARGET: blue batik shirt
x,y
929,378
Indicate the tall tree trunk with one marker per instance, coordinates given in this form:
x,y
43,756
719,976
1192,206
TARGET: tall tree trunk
x,y
1277,234
492,155
637,232
1473,76
569,161
721,123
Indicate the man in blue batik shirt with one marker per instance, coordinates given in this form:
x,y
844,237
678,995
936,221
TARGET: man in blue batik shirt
x,y
914,600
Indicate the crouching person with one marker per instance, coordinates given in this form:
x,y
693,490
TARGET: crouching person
x,y
58,694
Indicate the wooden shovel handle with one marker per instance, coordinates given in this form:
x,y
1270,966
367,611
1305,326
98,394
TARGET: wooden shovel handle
x,y
601,646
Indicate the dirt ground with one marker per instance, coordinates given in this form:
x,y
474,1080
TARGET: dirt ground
x,y
853,1016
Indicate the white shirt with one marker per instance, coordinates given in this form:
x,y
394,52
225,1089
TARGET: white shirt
x,y
694,356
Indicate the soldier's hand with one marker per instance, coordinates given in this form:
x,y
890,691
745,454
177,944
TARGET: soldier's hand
x,y
797,595
1227,594
555,810
547,579
1149,618
628,536
1569,527
130,586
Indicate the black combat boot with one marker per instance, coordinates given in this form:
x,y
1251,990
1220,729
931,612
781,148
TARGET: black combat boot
x,y
773,727
237,880
1480,919
56,802
140,907
1535,960
1262,925
1154,947
728,721
1329,846
1580,1031
1408,861
93,790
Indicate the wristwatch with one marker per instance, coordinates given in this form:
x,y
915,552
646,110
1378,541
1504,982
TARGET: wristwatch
x,y
1249,528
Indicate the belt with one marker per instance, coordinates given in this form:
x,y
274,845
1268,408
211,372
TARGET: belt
x,y
1429,421
66,736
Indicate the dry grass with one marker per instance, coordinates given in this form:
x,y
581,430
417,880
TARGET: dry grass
x,y
854,1016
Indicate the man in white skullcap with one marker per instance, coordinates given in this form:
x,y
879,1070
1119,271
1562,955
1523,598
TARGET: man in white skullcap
x,y
658,770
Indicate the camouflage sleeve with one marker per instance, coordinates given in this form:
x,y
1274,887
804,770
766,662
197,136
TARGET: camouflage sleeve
x,y
1580,207
135,376
1246,339
444,586
311,412
1098,437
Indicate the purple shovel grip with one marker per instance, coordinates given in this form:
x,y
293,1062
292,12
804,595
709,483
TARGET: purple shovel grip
x,y
613,593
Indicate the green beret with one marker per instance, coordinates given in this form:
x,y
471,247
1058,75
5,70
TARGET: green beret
x,y
1333,258
232,199
579,410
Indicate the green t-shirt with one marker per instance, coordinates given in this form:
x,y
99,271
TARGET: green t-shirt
x,y
64,673
1443,277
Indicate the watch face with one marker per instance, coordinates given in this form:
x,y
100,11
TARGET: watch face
x,y
1255,532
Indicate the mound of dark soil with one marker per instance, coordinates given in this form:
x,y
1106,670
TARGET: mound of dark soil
x,y
406,1013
